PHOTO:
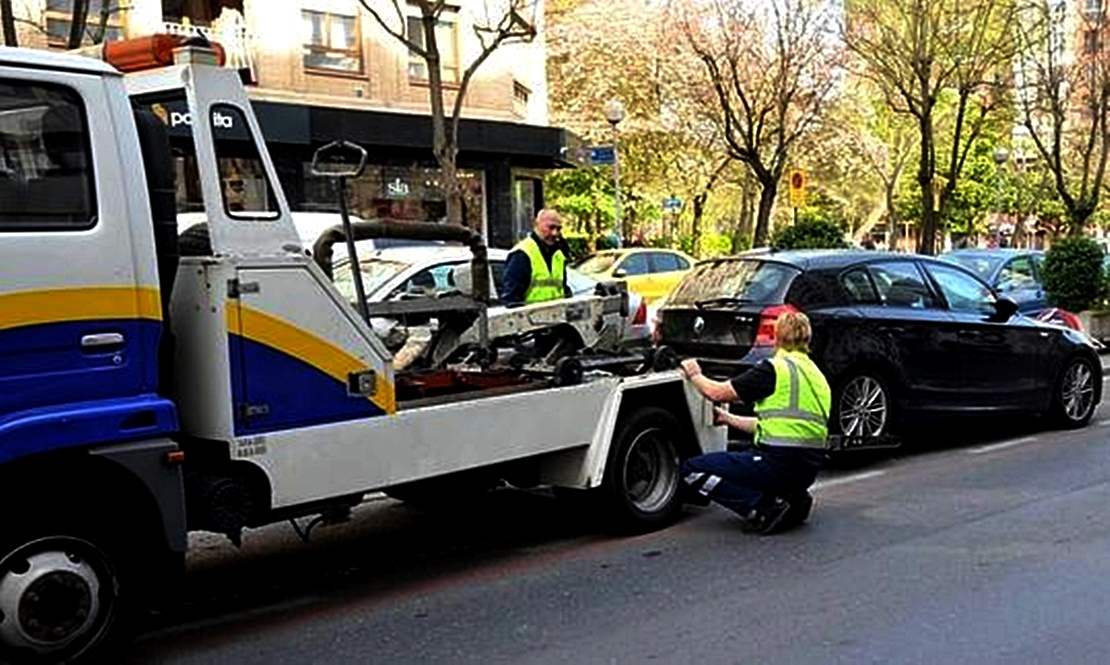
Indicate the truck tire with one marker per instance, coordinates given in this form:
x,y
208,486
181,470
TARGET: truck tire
x,y
68,590
641,484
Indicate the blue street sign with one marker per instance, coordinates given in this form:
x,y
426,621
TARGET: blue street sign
x,y
602,154
672,204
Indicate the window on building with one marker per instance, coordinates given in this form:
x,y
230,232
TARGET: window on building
x,y
1094,7
521,95
447,41
331,42
46,175
104,21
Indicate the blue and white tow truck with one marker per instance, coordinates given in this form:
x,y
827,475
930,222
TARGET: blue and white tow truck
x,y
145,393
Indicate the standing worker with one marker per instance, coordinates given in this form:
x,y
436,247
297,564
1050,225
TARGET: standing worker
x,y
536,270
767,485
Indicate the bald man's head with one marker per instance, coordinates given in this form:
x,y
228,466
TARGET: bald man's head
x,y
548,226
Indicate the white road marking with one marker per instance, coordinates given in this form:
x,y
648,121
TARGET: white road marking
x,y
832,482
1001,446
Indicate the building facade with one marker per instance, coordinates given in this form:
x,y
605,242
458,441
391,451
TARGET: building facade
x,y
325,70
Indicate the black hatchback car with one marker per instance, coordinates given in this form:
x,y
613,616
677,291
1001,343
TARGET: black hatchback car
x,y
898,336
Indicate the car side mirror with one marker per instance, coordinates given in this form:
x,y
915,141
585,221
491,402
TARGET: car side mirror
x,y
620,273
1004,309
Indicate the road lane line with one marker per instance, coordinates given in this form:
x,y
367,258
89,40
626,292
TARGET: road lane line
x,y
1001,446
824,484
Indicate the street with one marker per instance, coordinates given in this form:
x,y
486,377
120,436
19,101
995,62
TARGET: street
x,y
991,547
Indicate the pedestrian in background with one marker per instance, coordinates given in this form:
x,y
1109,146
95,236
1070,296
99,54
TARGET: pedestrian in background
x,y
767,484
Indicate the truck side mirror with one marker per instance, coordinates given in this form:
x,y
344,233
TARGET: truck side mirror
x,y
339,159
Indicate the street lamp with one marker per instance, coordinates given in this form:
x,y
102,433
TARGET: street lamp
x,y
1000,157
614,113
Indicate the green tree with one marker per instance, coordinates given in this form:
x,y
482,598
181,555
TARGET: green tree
x,y
773,69
1063,102
1073,273
917,51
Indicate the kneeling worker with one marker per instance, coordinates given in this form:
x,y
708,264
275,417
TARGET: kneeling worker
x,y
536,268
767,484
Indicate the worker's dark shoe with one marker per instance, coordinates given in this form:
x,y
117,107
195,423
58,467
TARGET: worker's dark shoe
x,y
800,508
768,519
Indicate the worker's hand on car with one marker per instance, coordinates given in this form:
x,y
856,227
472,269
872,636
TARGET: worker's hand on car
x,y
690,368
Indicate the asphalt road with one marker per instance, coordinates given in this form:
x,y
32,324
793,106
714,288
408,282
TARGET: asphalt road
x,y
986,543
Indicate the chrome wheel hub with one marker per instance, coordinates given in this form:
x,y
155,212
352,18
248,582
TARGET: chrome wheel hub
x,y
48,599
651,471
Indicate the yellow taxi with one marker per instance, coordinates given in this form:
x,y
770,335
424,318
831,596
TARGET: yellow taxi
x,y
649,271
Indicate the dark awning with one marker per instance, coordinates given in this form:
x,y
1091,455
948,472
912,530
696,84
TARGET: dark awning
x,y
378,131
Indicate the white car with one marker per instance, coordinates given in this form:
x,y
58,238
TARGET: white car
x,y
389,274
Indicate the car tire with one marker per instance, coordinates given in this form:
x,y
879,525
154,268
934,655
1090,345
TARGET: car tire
x,y
863,405
642,475
1073,394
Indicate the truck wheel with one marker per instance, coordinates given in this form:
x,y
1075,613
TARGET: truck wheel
x,y
62,597
642,474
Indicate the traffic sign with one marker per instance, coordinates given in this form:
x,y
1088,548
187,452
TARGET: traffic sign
x,y
602,154
672,204
797,188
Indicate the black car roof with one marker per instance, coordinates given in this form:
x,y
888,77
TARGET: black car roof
x,y
810,259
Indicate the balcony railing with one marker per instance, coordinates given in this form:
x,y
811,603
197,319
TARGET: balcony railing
x,y
230,30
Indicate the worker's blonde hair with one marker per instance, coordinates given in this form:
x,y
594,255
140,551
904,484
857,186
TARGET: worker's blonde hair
x,y
792,332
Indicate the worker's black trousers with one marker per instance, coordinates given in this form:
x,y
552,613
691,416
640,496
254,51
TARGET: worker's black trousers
x,y
749,479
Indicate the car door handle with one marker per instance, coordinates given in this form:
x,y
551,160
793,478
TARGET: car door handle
x,y
100,340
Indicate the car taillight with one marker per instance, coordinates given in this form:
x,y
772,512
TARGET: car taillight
x,y
765,334
640,318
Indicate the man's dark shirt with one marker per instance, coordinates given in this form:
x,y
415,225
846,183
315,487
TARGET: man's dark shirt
x,y
756,383
518,272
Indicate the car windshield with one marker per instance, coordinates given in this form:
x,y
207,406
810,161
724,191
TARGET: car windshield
x,y
598,263
375,273
983,265
730,282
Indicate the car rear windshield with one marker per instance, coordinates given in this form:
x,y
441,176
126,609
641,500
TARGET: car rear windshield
x,y
734,282
375,273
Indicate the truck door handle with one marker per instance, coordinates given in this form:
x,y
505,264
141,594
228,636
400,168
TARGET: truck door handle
x,y
98,340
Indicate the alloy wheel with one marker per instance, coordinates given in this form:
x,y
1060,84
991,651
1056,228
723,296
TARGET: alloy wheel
x,y
864,407
1078,391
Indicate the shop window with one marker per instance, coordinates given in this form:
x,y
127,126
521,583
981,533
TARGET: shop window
x,y
46,175
331,42
447,41
104,21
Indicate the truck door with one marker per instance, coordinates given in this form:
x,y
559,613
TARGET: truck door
x,y
80,313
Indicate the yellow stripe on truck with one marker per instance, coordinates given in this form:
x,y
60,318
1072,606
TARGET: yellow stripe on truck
x,y
38,306
287,338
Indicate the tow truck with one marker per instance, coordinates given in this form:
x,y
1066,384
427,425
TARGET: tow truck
x,y
145,394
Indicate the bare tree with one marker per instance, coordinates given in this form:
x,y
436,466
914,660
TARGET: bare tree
x,y
1063,94
918,51
504,22
7,21
772,65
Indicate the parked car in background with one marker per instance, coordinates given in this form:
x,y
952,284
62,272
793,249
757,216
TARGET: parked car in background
x,y
899,337
650,272
399,272
1016,274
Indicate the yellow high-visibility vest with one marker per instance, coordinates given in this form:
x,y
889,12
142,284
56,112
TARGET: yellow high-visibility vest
x,y
545,283
797,413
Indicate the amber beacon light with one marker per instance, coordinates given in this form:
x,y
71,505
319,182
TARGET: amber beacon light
x,y
152,51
